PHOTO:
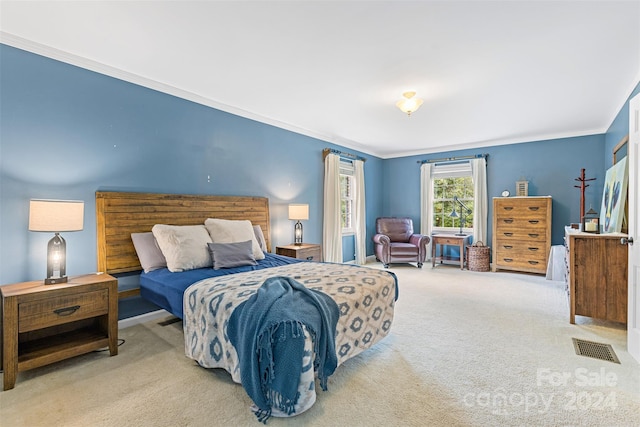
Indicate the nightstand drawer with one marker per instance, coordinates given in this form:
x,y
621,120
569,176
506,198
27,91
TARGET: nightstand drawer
x,y
310,254
306,251
62,309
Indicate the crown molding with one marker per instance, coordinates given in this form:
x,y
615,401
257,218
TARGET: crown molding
x,y
107,70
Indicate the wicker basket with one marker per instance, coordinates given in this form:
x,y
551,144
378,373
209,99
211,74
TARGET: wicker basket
x,y
478,257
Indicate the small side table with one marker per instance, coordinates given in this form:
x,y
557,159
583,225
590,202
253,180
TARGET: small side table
x,y
308,251
449,240
42,324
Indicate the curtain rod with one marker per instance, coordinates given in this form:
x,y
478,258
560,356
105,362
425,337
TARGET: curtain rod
x,y
453,159
326,152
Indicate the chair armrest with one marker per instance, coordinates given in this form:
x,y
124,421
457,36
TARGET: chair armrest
x,y
419,240
382,239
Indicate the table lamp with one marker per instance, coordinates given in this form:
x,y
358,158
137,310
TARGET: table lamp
x,y
454,214
298,212
55,216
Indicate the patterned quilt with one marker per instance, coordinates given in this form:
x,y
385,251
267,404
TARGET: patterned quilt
x,y
365,296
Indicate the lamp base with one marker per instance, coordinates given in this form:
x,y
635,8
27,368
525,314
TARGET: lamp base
x,y
297,234
55,280
460,234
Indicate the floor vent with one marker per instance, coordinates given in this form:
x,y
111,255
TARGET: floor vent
x,y
170,321
595,350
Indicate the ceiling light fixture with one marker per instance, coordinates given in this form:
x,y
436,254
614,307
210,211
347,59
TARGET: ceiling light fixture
x,y
409,104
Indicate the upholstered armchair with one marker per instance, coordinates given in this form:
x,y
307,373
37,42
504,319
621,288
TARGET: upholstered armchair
x,y
395,242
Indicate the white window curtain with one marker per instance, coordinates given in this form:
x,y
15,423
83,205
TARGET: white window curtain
x,y
359,213
481,203
332,225
426,212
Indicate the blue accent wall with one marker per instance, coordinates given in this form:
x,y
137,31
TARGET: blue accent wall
x,y
66,132
550,167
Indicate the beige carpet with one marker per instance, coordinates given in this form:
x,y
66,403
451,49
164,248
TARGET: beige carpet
x,y
466,349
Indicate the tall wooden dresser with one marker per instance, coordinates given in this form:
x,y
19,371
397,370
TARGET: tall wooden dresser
x,y
597,275
521,233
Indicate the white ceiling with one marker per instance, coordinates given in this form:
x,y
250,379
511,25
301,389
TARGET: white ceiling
x,y
490,72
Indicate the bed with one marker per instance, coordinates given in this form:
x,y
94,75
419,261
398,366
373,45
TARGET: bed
x,y
206,298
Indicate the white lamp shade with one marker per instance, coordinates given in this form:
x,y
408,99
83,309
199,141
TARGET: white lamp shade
x,y
299,212
56,215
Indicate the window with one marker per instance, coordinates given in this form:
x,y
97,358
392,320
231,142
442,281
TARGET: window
x,y
449,181
347,185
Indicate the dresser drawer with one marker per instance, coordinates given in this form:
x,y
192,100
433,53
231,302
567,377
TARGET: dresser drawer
x,y
521,248
521,220
512,234
531,265
523,252
53,311
535,207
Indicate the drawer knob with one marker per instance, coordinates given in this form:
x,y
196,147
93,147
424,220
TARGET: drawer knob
x,y
508,208
533,262
508,221
508,234
66,311
533,234
533,249
534,208
534,221
508,259
309,258
508,247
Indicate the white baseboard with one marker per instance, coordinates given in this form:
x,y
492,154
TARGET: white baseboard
x,y
143,318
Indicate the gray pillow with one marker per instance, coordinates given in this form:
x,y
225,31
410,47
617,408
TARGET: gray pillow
x,y
148,251
232,231
257,230
227,255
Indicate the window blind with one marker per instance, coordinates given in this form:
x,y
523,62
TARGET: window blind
x,y
456,169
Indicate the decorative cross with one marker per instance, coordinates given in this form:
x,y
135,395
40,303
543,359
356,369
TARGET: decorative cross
x,y
582,186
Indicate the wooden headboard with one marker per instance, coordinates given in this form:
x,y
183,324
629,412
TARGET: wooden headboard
x,y
119,214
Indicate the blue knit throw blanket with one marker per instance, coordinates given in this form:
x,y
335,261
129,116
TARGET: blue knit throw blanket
x,y
266,331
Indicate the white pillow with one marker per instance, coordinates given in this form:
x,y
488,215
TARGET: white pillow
x,y
184,246
232,231
149,253
257,230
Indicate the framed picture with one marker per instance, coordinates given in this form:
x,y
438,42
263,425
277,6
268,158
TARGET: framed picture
x,y
614,197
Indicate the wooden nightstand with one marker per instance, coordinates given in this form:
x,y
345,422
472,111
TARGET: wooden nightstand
x,y
42,324
308,251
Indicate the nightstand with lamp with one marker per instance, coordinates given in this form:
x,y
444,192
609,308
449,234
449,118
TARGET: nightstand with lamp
x,y
46,321
298,212
300,250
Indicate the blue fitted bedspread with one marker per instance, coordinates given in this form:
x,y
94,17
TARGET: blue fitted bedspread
x,y
166,289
